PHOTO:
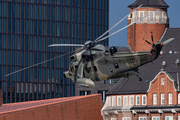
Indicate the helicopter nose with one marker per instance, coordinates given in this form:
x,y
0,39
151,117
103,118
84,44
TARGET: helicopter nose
x,y
64,75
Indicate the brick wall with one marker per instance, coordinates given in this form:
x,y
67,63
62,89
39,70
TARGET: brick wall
x,y
156,87
79,108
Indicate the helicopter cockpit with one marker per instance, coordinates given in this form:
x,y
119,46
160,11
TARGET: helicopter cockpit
x,y
72,60
71,68
113,50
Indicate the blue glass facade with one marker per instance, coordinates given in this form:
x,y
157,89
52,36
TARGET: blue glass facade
x,y
27,27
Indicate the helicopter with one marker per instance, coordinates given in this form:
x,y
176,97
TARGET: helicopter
x,y
93,62
96,63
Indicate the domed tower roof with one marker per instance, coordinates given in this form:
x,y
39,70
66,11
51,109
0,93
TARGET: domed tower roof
x,y
149,3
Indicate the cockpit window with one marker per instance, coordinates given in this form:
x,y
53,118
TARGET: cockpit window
x,y
71,69
72,58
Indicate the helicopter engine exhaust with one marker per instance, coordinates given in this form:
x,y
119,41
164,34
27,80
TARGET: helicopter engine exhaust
x,y
85,82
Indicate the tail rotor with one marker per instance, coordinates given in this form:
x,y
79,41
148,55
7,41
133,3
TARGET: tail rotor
x,y
156,47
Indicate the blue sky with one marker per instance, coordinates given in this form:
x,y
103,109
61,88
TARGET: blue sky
x,y
118,9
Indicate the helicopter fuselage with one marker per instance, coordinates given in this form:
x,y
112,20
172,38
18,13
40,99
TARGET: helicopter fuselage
x,y
99,64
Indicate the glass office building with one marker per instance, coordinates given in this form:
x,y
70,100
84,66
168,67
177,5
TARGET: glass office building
x,y
27,27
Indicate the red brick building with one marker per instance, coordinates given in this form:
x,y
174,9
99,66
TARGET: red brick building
x,y
157,96
69,108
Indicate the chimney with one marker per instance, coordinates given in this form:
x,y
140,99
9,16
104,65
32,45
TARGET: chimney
x,y
163,65
178,81
177,63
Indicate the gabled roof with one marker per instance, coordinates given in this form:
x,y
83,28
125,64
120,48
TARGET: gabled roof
x,y
132,85
149,3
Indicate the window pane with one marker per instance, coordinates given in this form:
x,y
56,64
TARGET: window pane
x,y
39,12
22,10
35,11
22,26
170,98
5,9
154,99
0,9
27,11
31,11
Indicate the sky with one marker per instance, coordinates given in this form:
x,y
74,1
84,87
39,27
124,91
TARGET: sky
x,y
118,9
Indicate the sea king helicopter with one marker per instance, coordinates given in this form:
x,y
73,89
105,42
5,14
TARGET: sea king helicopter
x,y
93,62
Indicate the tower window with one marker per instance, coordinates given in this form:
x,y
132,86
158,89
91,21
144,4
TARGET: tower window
x,y
141,15
151,17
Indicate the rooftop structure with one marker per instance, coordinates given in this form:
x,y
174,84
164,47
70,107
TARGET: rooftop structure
x,y
149,3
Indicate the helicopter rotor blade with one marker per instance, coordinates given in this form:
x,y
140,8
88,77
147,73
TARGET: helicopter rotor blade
x,y
167,41
163,35
147,41
42,62
126,26
152,37
52,45
117,23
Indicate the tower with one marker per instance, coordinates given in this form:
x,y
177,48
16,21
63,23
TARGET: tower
x,y
155,23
